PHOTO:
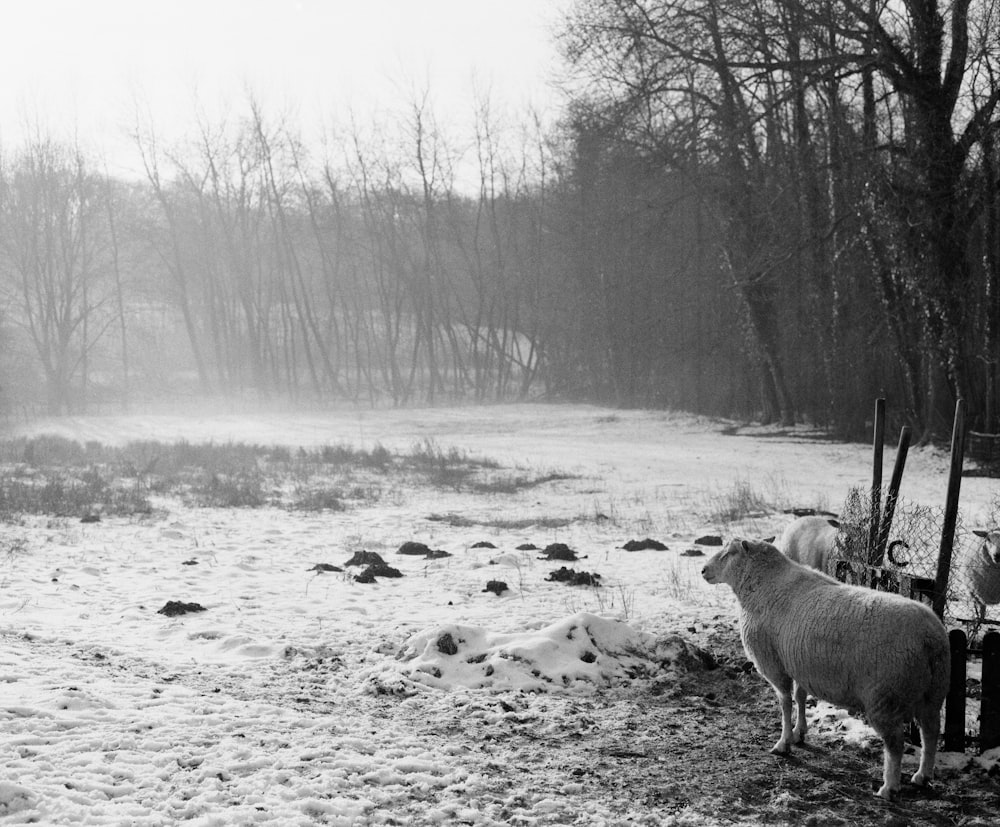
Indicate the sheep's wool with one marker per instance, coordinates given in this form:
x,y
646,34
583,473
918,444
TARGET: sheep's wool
x,y
984,573
881,653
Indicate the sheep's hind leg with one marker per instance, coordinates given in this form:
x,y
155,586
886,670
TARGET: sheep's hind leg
x,y
929,722
892,738
799,733
784,692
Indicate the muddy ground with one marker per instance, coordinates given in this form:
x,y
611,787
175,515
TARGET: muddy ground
x,y
697,752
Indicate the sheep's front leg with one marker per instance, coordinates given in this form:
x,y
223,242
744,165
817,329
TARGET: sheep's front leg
x,y
784,693
799,733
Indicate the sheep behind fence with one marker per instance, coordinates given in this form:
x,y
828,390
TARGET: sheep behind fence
x,y
913,546
910,566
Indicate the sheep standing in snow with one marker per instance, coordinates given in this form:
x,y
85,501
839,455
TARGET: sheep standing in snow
x,y
984,570
851,646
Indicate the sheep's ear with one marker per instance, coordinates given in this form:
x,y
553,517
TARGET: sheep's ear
x,y
834,523
769,539
980,533
745,545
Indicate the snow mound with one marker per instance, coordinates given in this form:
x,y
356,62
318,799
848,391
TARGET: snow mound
x,y
577,654
14,798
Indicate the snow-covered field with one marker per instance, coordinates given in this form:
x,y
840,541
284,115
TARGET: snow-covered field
x,y
303,697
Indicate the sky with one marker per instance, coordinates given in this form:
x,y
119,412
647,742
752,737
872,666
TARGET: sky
x,y
83,69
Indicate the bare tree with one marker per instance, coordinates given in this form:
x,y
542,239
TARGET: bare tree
x,y
172,252
52,226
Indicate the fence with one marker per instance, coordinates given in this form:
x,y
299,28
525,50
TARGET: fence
x,y
957,705
909,569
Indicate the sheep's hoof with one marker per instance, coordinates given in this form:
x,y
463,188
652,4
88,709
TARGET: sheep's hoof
x,y
888,793
920,779
782,749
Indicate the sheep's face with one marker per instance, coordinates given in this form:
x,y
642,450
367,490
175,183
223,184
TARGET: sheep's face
x,y
991,545
723,566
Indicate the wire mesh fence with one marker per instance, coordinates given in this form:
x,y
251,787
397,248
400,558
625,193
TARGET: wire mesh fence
x,y
912,546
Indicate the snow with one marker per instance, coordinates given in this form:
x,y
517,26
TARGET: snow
x,y
575,654
303,697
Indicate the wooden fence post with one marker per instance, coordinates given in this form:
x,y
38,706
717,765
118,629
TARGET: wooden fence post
x,y
892,495
989,712
950,509
954,706
878,449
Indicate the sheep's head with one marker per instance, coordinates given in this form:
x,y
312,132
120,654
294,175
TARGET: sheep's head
x,y
719,563
991,544
731,563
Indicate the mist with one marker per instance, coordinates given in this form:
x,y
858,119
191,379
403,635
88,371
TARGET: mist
x,y
681,221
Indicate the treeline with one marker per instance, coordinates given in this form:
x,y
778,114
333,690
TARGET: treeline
x,y
772,210
241,261
394,270
840,161
238,265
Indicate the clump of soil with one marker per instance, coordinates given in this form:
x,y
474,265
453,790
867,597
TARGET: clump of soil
x,y
809,512
437,554
325,567
446,644
693,552
414,548
643,545
574,578
709,540
559,551
366,558
527,547
498,587
173,608
674,650
483,544
376,570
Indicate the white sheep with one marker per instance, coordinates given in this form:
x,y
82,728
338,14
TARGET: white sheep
x,y
811,541
878,652
984,569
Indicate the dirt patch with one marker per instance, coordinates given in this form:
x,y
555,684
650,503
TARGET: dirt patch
x,y
175,608
701,746
377,570
414,548
366,558
642,545
559,551
574,577
695,751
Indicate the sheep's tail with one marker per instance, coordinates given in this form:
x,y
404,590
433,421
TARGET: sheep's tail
x,y
938,657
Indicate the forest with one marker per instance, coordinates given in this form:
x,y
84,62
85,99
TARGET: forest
x,y
762,209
